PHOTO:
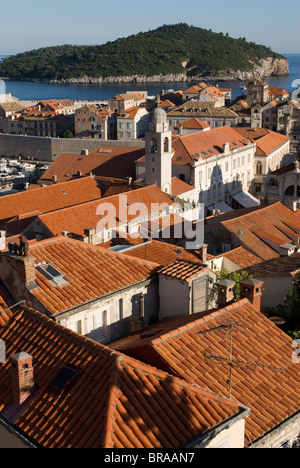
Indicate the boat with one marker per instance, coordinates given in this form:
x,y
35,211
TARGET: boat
x,y
27,167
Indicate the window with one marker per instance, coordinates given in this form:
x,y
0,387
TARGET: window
x,y
226,167
121,310
259,168
99,325
226,247
166,145
153,145
53,275
79,327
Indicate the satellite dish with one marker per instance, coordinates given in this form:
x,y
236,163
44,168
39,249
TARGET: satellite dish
x,y
240,233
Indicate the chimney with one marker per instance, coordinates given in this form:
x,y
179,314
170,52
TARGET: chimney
x,y
204,252
54,179
22,380
21,263
138,323
79,173
225,292
226,148
252,290
85,152
2,240
89,233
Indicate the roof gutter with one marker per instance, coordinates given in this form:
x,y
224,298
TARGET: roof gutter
x,y
17,433
225,425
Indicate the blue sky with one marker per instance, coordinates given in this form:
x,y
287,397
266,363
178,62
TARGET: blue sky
x,y
33,24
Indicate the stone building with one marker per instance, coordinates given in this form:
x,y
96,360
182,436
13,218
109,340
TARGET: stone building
x,y
132,123
95,122
204,111
282,185
217,163
257,92
291,113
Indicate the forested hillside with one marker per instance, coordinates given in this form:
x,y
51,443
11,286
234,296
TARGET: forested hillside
x,y
169,49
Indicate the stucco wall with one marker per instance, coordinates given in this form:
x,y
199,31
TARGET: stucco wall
x,y
9,440
174,298
275,290
233,437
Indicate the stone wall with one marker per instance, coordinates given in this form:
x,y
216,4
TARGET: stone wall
x,y
288,432
48,149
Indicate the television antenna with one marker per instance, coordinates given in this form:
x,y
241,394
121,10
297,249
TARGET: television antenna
x,y
230,326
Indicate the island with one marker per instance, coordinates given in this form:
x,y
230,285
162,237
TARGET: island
x,y
170,53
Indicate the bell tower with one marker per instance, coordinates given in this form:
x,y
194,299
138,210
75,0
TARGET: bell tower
x,y
159,152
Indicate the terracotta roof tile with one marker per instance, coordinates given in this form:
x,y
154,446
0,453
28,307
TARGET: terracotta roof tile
x,y
276,267
241,257
263,229
134,406
161,253
183,270
180,187
264,377
203,145
108,161
91,272
90,215
193,124
46,199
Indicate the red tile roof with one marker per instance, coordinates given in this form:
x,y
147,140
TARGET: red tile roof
x,y
241,257
161,253
193,90
205,144
180,187
275,91
193,123
276,267
262,227
116,402
264,376
266,140
90,215
47,199
91,272
183,270
107,161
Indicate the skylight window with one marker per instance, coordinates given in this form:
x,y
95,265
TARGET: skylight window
x,y
53,275
204,153
65,379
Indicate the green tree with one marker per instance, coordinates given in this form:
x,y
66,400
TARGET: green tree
x,y
67,134
236,276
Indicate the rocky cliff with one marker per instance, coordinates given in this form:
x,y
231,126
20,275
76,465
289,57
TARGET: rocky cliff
x,y
266,68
